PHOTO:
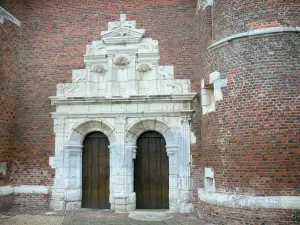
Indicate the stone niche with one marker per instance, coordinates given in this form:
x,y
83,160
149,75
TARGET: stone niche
x,y
122,92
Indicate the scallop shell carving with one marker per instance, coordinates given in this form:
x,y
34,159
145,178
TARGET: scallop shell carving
x,y
144,67
98,68
122,60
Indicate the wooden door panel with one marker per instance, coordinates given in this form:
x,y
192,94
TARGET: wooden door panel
x,y
95,175
151,171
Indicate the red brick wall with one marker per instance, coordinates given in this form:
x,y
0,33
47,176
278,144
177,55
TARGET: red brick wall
x,y
26,203
248,215
231,17
55,33
10,70
203,30
6,202
252,141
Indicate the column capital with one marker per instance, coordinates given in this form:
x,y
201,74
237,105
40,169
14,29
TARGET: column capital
x,y
73,148
186,120
171,149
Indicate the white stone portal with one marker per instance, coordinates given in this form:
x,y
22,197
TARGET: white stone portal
x,y
122,92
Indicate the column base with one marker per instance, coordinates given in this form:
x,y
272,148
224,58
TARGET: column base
x,y
123,203
186,208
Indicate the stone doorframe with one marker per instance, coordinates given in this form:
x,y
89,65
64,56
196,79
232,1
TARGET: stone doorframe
x,y
122,147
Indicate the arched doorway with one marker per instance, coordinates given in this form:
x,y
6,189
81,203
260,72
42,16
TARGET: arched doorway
x,y
151,172
95,171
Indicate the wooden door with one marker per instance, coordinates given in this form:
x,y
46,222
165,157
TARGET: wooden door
x,y
151,172
95,171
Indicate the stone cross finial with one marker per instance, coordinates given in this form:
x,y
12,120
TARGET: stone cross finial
x,y
123,19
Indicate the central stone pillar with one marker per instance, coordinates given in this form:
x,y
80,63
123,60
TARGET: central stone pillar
x,y
122,198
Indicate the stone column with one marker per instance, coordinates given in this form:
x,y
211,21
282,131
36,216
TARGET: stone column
x,y
122,197
185,205
57,197
121,178
73,176
173,178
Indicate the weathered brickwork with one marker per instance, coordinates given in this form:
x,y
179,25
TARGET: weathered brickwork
x,y
24,203
203,30
252,140
54,36
256,126
30,202
6,202
236,216
10,71
232,17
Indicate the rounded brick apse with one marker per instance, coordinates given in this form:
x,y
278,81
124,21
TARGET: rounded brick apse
x,y
250,126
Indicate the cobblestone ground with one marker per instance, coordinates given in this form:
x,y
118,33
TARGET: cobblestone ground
x,y
108,218
93,218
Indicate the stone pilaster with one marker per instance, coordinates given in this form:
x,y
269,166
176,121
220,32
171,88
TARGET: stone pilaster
x,y
131,85
73,176
173,178
109,82
185,205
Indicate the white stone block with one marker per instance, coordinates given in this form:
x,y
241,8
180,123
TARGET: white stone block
x,y
132,197
31,189
209,172
6,190
121,201
57,205
130,207
290,202
59,183
148,124
58,194
186,208
73,195
120,208
214,76
131,107
73,205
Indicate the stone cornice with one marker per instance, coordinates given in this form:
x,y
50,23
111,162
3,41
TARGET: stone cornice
x,y
62,115
255,32
118,99
24,189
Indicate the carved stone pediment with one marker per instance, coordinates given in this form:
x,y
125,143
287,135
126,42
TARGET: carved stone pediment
x,y
114,69
122,35
122,32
